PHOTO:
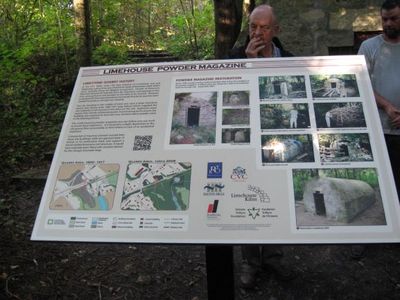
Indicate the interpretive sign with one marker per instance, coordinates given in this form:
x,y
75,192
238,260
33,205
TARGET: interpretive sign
x,y
232,151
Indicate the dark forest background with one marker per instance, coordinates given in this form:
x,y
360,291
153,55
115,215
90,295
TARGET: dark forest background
x,y
44,42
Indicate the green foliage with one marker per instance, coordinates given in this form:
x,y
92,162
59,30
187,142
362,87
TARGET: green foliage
x,y
38,63
36,76
190,34
184,28
106,54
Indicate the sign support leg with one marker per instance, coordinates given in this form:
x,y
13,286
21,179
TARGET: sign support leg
x,y
220,278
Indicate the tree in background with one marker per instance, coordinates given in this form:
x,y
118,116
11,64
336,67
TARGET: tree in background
x,y
37,70
228,20
83,31
43,43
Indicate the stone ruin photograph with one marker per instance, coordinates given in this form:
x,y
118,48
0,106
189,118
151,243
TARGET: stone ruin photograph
x,y
333,197
284,116
194,118
287,148
344,147
236,116
282,87
339,115
236,136
334,86
235,98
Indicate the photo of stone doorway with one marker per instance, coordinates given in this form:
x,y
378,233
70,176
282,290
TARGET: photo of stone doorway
x,y
194,118
235,136
282,87
334,86
344,147
337,197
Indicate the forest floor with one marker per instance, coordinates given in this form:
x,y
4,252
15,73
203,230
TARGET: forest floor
x,y
59,270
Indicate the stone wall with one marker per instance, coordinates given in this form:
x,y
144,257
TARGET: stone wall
x,y
207,117
311,27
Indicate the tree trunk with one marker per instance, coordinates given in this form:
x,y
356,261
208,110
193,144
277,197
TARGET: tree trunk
x,y
82,26
228,19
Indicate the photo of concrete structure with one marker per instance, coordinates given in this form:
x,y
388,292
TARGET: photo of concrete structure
x,y
194,118
334,86
282,87
344,147
339,115
236,116
284,116
236,136
287,148
235,98
337,197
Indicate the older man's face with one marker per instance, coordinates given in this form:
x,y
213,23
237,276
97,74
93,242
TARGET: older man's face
x,y
262,26
391,22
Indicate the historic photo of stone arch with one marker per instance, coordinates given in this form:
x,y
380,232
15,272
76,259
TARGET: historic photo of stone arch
x,y
334,86
194,118
282,87
344,147
235,136
339,115
284,116
235,98
334,197
236,116
287,148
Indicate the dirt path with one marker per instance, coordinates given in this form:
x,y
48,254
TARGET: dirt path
x,y
43,270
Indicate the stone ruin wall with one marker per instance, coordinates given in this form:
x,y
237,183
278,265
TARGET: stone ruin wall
x,y
310,27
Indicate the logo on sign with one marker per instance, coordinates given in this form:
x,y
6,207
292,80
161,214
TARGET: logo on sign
x,y
211,189
264,197
214,170
212,207
239,174
212,210
254,212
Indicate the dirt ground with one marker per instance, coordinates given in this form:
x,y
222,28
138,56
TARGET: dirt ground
x,y
50,270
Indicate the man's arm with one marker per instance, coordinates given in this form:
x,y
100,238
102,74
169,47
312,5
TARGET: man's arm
x,y
392,111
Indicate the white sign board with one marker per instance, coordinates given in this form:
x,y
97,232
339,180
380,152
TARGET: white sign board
x,y
231,151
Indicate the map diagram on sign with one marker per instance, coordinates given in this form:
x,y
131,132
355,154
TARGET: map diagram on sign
x,y
85,187
157,186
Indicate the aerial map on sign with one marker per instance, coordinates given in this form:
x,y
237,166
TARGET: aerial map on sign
x,y
85,187
157,186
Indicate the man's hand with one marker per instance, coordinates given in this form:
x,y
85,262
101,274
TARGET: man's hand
x,y
254,47
392,111
394,115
